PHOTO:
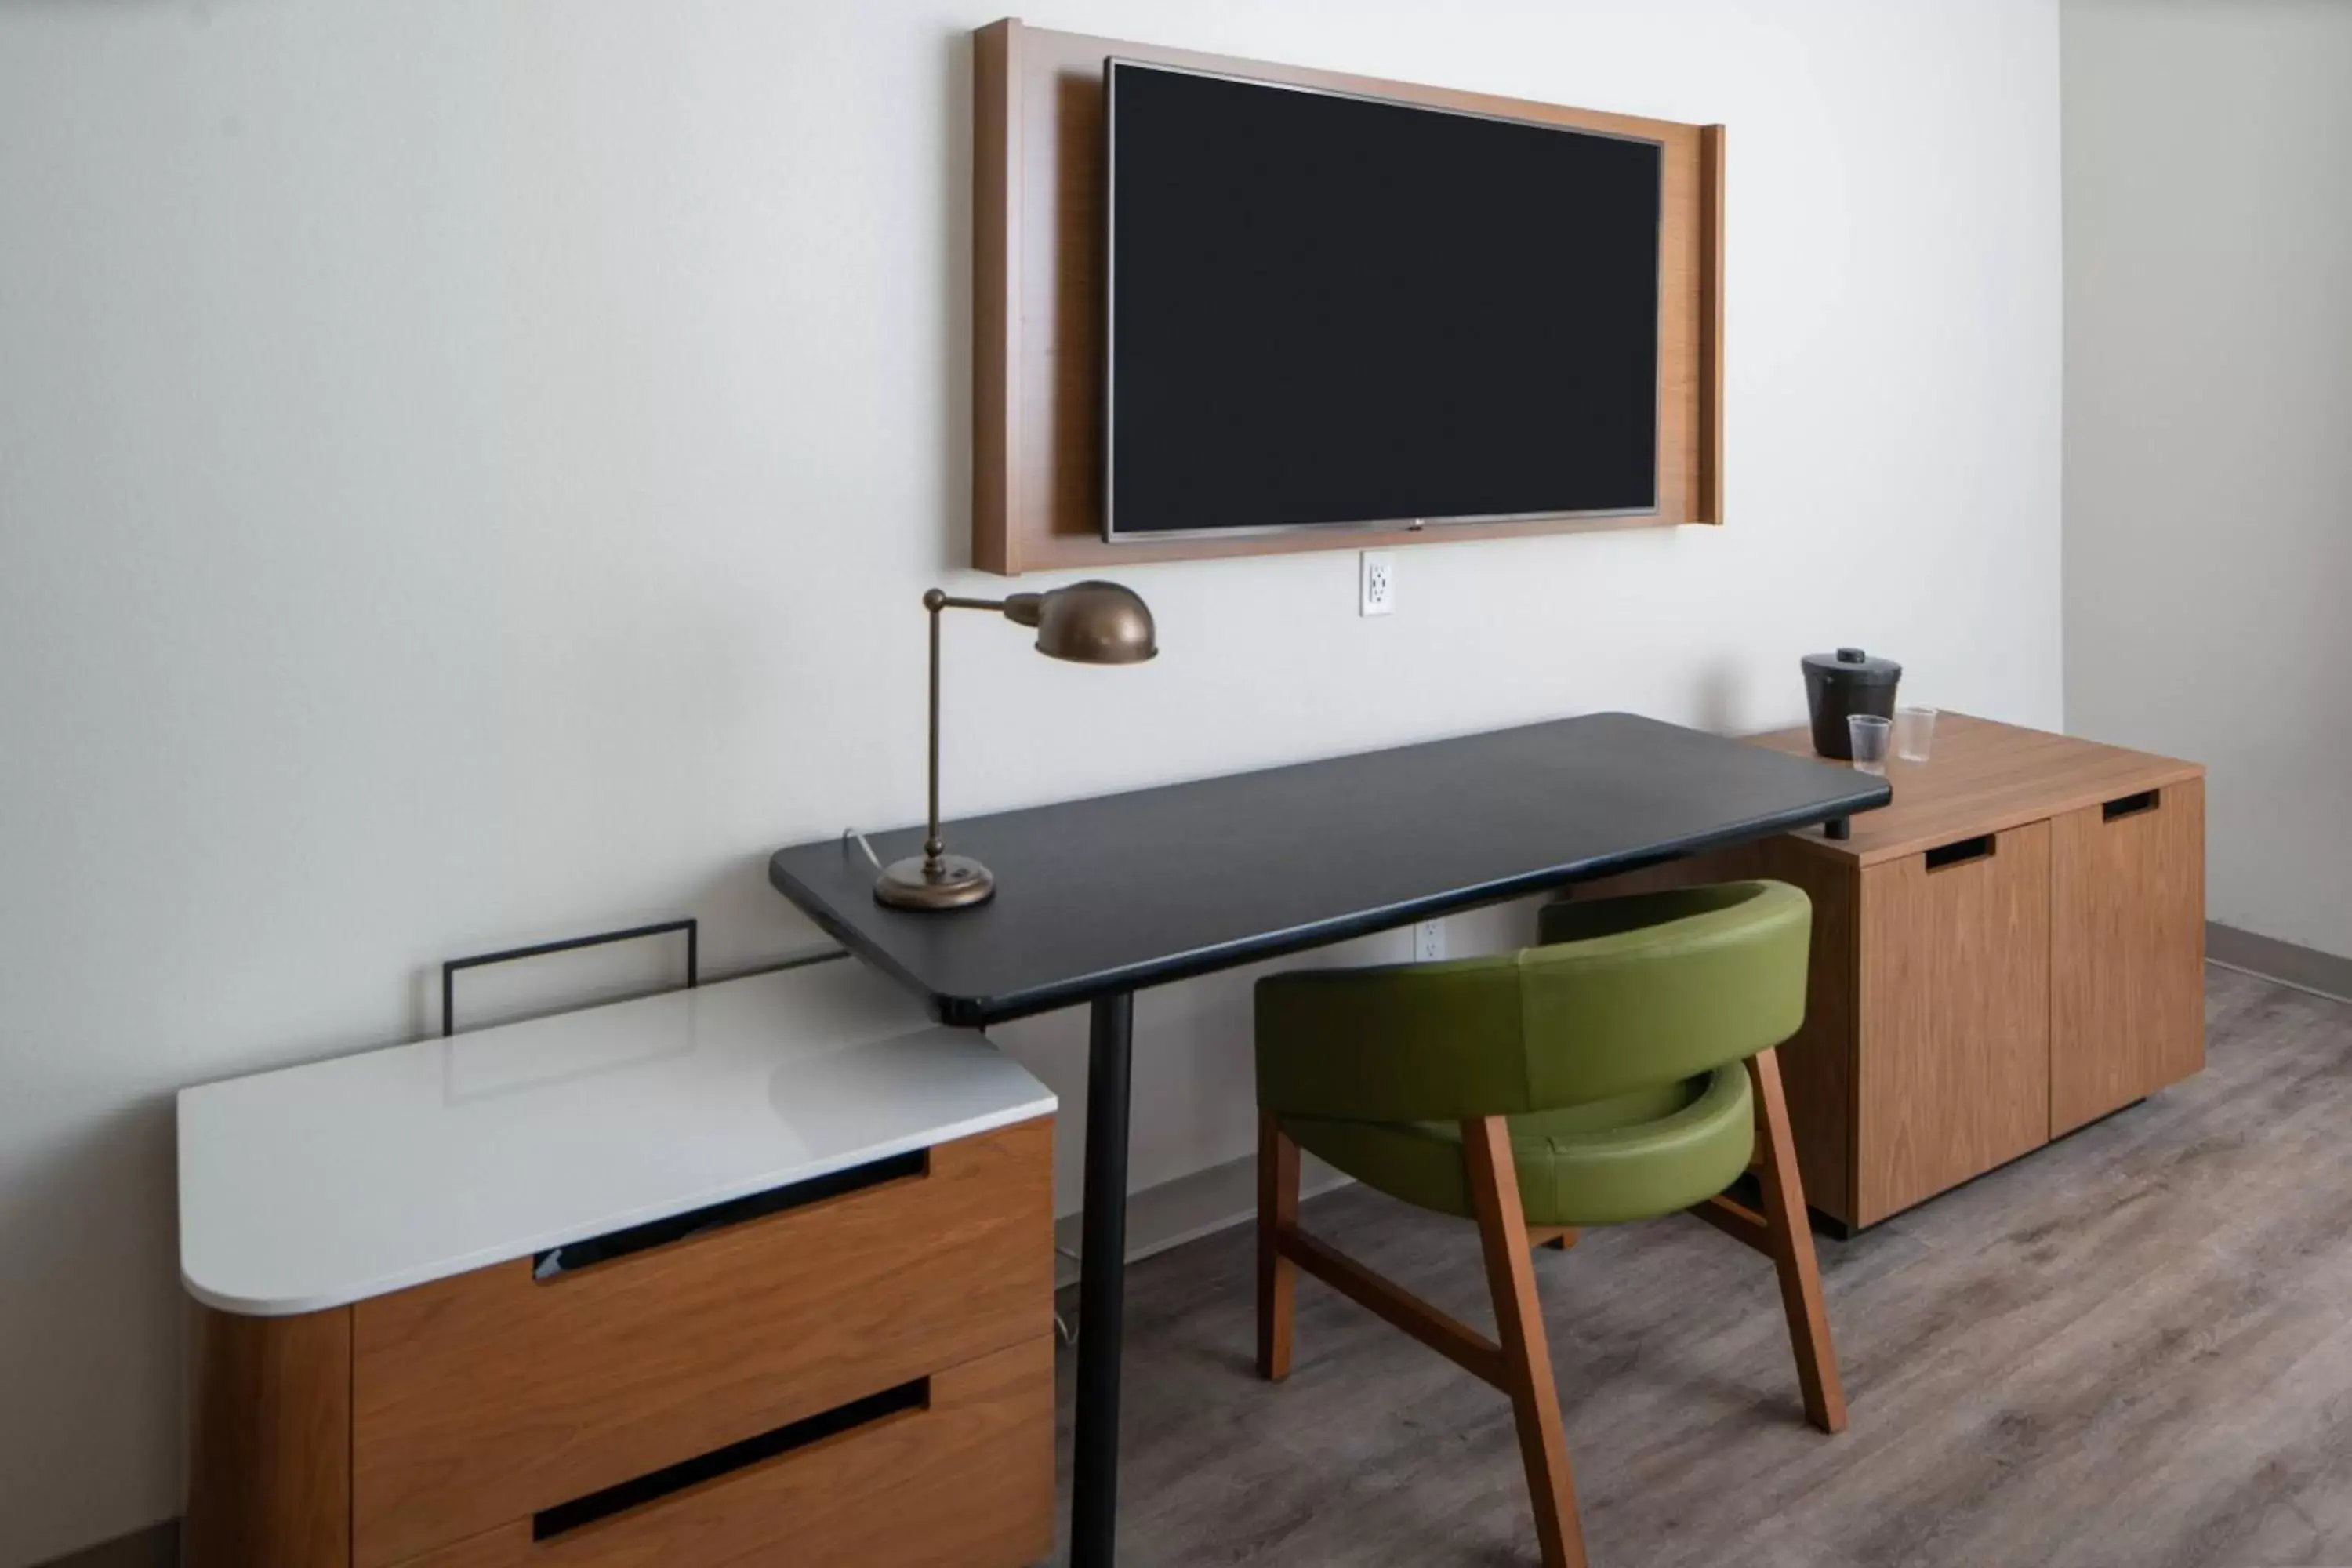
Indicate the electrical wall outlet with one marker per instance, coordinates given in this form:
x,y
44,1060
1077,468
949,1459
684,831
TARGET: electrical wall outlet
x,y
1428,942
1377,579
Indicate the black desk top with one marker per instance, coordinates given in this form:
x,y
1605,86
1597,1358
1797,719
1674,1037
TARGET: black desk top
x,y
1127,890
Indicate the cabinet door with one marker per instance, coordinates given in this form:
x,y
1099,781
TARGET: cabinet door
x,y
1953,1057
2128,951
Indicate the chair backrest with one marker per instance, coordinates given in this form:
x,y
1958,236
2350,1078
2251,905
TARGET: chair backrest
x,y
1626,994
1633,992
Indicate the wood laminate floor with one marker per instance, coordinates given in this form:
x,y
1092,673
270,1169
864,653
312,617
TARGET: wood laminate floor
x,y
2132,1348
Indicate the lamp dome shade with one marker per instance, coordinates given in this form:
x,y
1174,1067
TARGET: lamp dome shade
x,y
1092,622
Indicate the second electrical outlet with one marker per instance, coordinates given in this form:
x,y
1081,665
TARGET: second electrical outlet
x,y
1428,942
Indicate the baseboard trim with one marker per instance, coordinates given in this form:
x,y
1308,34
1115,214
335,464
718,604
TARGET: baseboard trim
x,y
157,1546
2303,968
1189,1208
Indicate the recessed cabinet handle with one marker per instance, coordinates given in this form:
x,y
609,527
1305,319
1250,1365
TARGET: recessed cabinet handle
x,y
1961,851
569,1261
552,1523
2131,805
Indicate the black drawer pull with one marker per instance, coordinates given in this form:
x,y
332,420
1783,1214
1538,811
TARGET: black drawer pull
x,y
574,1256
2131,805
550,1522
1960,852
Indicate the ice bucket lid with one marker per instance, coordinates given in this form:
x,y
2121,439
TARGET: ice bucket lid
x,y
1851,667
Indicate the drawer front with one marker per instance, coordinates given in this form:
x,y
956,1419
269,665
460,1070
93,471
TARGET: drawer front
x,y
1953,1056
2128,951
965,1480
485,1399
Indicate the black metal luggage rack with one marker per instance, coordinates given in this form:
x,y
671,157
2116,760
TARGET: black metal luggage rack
x,y
450,969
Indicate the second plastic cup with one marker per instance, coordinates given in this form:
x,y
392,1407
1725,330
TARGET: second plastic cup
x,y
1870,734
1914,733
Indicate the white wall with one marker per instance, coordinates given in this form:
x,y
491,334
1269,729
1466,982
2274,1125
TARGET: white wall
x,y
467,472
2208,426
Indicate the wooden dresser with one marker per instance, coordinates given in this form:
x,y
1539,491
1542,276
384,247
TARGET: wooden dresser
x,y
2013,948
760,1272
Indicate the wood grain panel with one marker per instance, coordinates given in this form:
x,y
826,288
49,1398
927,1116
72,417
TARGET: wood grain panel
x,y
995,292
1983,776
2127,953
1953,1056
484,1398
270,1466
1038,356
967,1482
1706,502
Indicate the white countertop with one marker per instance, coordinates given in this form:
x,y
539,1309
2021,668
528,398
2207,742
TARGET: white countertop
x,y
318,1185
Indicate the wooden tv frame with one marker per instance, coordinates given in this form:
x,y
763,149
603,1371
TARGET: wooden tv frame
x,y
1037,312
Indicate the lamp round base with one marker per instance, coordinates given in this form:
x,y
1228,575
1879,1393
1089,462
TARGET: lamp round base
x,y
960,883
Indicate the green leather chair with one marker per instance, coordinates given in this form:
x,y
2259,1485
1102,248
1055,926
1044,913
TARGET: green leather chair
x,y
1620,1071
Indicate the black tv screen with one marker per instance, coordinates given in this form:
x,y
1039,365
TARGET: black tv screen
x,y
1327,310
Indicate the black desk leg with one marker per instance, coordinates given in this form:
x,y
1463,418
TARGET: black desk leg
x,y
1102,1287
1839,827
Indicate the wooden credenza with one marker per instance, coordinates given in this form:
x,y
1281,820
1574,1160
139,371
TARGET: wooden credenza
x,y
760,1272
2013,949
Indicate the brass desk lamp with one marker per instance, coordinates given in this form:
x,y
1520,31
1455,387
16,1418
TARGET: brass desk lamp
x,y
1086,623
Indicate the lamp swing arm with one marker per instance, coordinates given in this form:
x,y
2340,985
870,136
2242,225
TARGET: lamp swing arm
x,y
1021,609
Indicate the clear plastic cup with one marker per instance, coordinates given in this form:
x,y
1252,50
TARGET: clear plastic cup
x,y
1869,733
1914,733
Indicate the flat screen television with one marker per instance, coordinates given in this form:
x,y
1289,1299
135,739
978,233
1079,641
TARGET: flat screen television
x,y
1328,310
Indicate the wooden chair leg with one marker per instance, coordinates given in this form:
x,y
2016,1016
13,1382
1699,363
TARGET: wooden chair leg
x,y
1277,1211
1518,1325
1559,1238
1792,1235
